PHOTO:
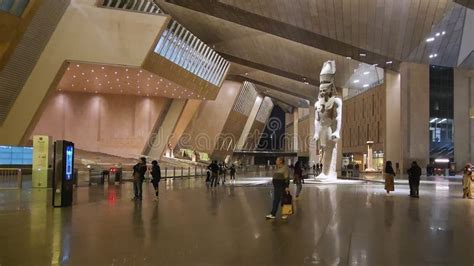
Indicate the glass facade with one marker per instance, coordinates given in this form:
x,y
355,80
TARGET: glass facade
x,y
441,113
183,48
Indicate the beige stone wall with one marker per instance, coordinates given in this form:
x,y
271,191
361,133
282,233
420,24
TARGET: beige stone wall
x,y
414,114
363,119
392,149
85,33
463,124
112,124
202,133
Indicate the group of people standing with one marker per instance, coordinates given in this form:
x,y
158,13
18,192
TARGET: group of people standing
x,y
216,173
414,175
139,171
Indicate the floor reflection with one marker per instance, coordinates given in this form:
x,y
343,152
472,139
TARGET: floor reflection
x,y
337,224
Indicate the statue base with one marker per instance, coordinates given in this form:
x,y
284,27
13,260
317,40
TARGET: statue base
x,y
323,178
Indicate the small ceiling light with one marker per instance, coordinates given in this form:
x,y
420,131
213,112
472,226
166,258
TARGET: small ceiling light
x,y
128,83
389,62
85,89
307,83
108,81
117,79
356,81
161,79
96,78
366,85
83,73
59,89
74,76
362,55
68,68
120,85
110,87
100,84
148,95
126,69
96,92
141,71
87,80
128,77
348,57
443,33
77,65
366,73
105,75
92,70
103,67
72,85
246,73
437,34
433,120
139,92
115,72
430,39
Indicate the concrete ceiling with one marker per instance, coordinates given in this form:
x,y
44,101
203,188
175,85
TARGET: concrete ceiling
x,y
281,45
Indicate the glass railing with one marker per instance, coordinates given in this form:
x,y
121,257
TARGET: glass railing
x,y
14,7
146,6
183,48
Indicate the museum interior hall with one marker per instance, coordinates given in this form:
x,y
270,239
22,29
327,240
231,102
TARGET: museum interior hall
x,y
236,132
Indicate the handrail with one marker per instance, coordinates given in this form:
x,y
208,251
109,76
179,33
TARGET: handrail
x,y
11,178
144,6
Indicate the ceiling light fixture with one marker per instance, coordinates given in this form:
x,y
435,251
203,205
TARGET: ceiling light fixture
x,y
433,120
443,33
356,81
366,85
366,73
437,34
362,55
102,67
389,62
77,65
430,39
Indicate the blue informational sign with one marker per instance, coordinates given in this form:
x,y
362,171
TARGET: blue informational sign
x,y
69,162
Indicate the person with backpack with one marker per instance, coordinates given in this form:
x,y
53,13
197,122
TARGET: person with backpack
x,y
156,176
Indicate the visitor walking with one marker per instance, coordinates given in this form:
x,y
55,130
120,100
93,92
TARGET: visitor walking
x,y
389,177
156,176
232,173
414,174
139,171
467,182
281,179
214,168
298,179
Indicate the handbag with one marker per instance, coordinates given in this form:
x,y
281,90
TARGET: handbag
x,y
287,209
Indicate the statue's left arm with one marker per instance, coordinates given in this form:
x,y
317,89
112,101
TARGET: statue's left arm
x,y
336,135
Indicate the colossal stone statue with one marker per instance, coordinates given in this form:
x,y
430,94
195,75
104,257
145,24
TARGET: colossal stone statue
x,y
328,122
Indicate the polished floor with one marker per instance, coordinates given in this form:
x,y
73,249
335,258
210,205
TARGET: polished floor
x,y
353,223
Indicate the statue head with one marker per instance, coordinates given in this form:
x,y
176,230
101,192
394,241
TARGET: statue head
x,y
326,77
327,90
